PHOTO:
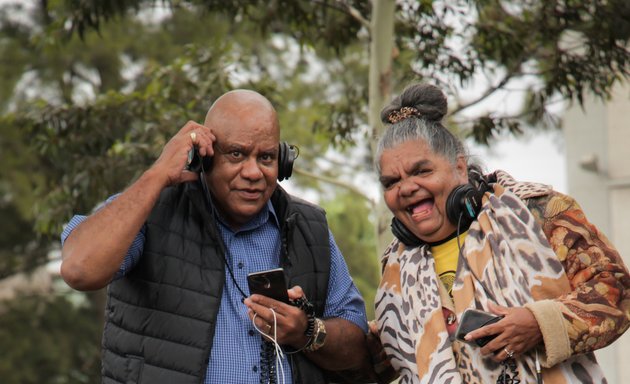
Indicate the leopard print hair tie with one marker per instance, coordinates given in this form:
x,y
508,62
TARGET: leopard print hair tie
x,y
402,114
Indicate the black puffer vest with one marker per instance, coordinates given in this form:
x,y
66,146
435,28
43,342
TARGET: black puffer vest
x,y
160,317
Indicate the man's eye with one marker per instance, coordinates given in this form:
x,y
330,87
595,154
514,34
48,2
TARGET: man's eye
x,y
266,158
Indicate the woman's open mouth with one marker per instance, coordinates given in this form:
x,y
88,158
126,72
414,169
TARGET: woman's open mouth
x,y
421,209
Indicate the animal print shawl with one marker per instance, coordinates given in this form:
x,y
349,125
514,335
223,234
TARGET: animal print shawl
x,y
509,252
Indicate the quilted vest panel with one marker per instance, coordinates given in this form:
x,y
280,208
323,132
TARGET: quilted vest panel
x,y
160,317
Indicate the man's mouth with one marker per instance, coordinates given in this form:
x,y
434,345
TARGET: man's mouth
x,y
251,193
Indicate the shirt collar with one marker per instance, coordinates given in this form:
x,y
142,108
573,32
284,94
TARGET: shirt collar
x,y
267,213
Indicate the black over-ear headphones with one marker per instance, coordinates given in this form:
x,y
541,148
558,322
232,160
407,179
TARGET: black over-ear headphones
x,y
287,154
462,207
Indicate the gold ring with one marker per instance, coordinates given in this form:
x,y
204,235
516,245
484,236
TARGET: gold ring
x,y
508,353
269,327
193,136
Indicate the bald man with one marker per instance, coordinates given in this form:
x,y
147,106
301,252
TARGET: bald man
x,y
175,249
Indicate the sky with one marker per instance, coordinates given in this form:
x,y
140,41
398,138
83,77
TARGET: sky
x,y
538,158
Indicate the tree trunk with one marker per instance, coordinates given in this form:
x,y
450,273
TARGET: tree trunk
x,y
380,77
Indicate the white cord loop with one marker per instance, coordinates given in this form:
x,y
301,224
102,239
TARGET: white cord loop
x,y
273,339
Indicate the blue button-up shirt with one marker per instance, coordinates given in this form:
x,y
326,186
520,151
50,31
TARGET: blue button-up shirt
x,y
235,355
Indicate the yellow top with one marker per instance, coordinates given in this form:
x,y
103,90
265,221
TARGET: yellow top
x,y
445,256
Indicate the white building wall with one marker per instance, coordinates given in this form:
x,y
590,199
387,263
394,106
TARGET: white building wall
x,y
598,174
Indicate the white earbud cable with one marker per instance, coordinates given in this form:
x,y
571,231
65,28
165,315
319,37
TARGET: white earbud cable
x,y
278,349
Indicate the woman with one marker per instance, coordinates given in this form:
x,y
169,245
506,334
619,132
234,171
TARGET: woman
x,y
517,250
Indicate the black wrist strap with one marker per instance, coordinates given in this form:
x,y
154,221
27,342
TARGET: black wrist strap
x,y
308,308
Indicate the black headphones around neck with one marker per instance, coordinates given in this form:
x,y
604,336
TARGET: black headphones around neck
x,y
462,207
287,154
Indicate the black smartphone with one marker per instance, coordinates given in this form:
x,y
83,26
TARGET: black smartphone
x,y
269,283
473,319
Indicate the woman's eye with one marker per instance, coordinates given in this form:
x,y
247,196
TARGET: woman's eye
x,y
421,171
389,184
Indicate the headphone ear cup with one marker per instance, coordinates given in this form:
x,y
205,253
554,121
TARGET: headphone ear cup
x,y
286,156
207,162
196,163
404,235
464,202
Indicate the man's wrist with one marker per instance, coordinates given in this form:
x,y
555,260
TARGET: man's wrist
x,y
308,334
318,339
154,177
308,309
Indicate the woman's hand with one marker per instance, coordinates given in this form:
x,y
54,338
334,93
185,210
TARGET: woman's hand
x,y
516,333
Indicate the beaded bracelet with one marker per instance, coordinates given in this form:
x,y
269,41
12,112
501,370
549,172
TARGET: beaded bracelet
x,y
309,310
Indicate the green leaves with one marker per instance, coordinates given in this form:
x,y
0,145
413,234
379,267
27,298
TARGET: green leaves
x,y
46,339
356,237
575,46
89,152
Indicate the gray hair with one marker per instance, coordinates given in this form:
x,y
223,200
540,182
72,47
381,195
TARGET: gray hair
x,y
417,115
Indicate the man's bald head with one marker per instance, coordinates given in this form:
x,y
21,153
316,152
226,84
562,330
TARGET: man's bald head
x,y
241,106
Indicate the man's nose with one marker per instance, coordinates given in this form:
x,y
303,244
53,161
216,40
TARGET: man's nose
x,y
251,169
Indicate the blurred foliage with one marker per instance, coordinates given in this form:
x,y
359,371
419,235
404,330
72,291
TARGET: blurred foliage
x,y
20,248
47,339
88,152
308,22
356,239
553,50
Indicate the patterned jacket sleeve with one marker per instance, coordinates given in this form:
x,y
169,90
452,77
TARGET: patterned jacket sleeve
x,y
597,309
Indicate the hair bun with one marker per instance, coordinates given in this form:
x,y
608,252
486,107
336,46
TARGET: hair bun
x,y
421,100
